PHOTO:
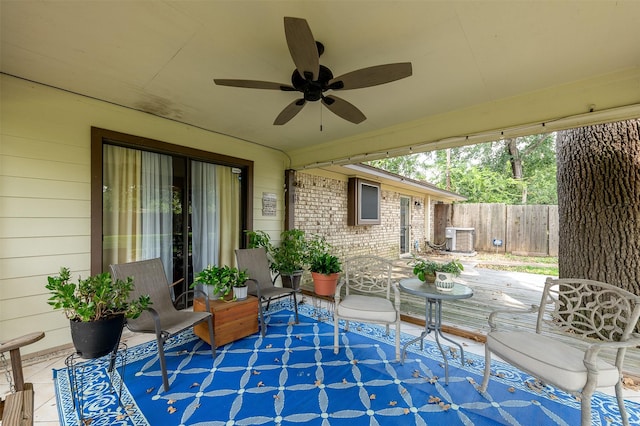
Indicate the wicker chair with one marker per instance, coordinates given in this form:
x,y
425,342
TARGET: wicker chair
x,y
260,283
367,285
162,318
594,317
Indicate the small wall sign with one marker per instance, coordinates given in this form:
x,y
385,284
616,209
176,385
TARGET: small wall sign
x,y
269,204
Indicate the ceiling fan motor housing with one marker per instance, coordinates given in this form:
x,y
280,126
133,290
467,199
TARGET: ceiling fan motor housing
x,y
312,89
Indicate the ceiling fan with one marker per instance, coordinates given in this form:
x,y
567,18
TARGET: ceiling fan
x,y
313,79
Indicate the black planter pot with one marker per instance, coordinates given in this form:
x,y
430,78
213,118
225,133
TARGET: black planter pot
x,y
291,280
96,338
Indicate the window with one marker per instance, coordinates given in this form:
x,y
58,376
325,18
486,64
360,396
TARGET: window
x,y
152,199
363,202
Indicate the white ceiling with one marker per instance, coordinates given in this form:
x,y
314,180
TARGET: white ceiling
x,y
478,66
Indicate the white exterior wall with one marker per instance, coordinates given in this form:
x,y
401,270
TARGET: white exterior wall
x,y
45,139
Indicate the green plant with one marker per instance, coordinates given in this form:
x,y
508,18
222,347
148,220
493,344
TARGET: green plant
x,y
291,255
326,264
423,267
286,258
94,298
319,257
453,267
221,278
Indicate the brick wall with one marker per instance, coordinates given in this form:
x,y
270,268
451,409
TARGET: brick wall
x,y
321,208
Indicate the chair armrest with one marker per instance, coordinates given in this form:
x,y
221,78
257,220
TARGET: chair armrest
x,y
336,295
494,314
255,282
592,352
396,296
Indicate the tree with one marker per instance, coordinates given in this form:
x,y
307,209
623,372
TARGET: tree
x,y
411,166
599,203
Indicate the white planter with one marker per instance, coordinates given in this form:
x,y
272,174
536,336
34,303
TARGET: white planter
x,y
444,281
240,293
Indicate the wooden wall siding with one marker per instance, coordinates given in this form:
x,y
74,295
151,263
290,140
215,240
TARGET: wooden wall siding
x,y
529,230
45,193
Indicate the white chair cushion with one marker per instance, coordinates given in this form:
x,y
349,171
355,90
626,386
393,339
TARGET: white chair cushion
x,y
549,360
366,309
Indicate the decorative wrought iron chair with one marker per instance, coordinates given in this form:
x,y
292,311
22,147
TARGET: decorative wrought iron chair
x,y
162,318
367,285
260,283
594,317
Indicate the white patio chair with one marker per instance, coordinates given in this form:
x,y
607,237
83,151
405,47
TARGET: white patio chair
x,y
367,283
595,315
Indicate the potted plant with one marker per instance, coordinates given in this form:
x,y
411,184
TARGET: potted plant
x,y
96,307
288,258
424,269
325,268
240,287
220,280
445,272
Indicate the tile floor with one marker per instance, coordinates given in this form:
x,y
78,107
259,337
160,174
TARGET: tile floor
x,y
39,372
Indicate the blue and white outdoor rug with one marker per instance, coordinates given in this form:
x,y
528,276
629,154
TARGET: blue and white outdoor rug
x,y
293,377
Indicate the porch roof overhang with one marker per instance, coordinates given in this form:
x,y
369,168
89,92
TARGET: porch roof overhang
x,y
482,70
411,185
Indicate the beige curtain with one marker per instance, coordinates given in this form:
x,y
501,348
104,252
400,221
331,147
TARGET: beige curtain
x,y
121,205
228,189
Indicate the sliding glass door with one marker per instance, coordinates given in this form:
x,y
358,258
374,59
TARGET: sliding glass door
x,y
189,212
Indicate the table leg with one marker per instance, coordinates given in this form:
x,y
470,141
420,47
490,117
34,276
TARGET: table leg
x,y
428,326
439,332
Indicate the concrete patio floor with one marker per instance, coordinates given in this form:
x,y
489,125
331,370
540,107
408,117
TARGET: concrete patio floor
x,y
492,289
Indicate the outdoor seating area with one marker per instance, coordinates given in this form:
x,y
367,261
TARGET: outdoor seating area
x,y
39,371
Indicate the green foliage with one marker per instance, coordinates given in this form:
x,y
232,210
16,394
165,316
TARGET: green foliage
x,y
221,278
424,268
319,256
411,166
286,258
452,267
483,173
94,298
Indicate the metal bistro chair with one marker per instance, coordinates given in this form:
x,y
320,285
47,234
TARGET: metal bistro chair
x,y
599,317
162,318
368,285
261,285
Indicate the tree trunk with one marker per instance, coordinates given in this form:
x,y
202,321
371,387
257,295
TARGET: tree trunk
x,y
599,203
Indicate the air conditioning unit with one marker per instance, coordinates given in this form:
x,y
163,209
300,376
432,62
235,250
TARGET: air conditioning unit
x,y
460,239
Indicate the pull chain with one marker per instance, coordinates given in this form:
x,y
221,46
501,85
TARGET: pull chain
x,y
320,117
5,366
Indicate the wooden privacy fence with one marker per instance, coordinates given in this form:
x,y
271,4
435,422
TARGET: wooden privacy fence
x,y
528,230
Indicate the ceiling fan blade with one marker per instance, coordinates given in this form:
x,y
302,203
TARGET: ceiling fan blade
x,y
371,76
302,47
289,112
343,109
254,84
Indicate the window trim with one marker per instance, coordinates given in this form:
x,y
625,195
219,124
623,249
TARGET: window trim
x,y
100,136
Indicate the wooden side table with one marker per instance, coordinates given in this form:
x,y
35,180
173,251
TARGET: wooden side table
x,y
231,320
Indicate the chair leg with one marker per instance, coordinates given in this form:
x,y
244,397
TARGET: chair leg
x,y
336,348
398,341
585,407
262,326
212,337
623,413
487,368
163,363
295,306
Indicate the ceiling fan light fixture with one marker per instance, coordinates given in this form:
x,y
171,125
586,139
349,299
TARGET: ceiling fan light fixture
x,y
313,80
